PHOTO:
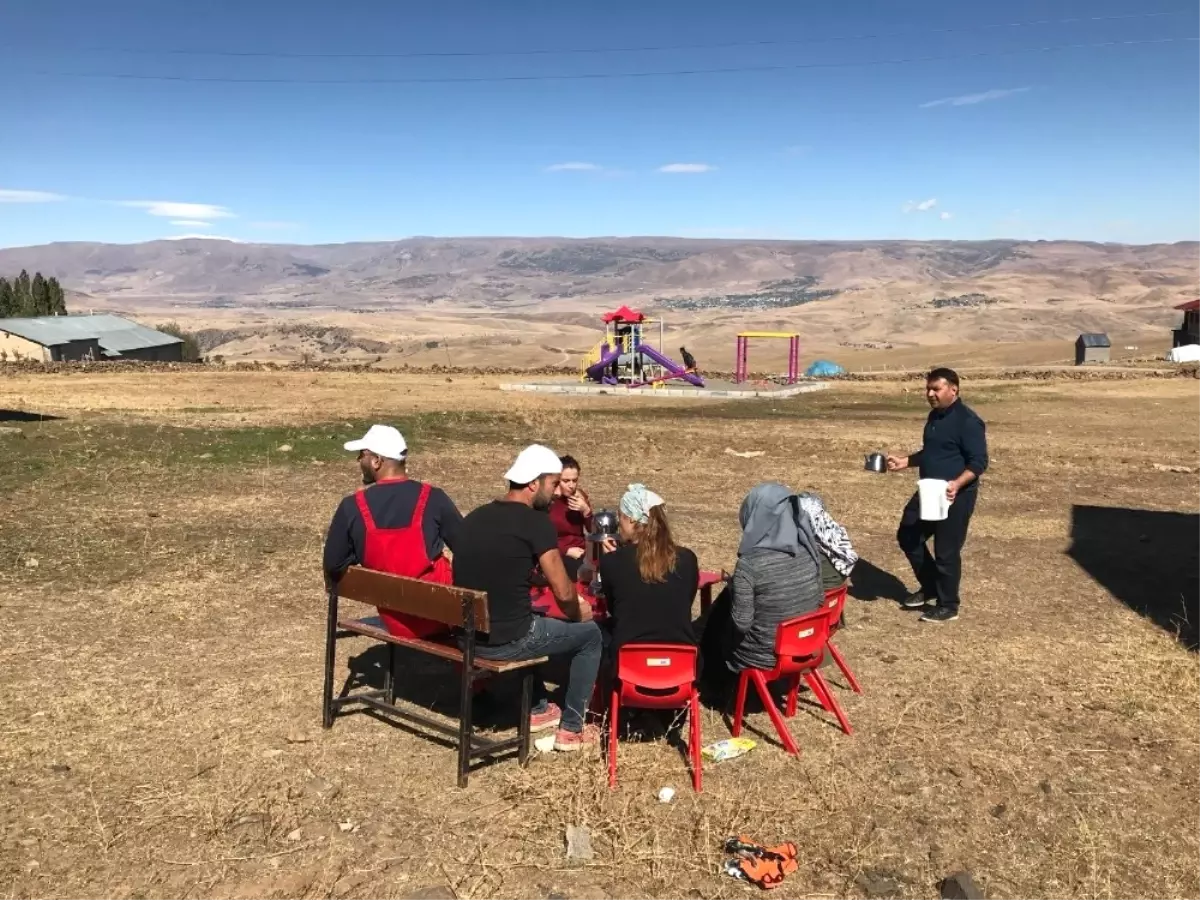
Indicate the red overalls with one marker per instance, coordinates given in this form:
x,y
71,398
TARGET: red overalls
x,y
402,551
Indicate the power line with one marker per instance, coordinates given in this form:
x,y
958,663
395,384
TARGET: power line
x,y
602,76
550,51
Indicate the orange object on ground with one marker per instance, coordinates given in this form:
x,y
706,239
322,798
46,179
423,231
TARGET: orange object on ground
x,y
762,865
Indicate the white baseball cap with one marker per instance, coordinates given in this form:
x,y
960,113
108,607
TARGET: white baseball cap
x,y
532,463
382,440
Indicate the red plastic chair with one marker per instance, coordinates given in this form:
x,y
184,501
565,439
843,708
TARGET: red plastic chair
x,y
799,647
656,676
835,603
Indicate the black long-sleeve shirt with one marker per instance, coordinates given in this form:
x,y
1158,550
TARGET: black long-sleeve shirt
x,y
392,504
955,441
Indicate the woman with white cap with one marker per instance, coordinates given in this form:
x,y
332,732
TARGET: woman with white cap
x,y
649,581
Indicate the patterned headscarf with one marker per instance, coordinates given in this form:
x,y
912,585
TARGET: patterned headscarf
x,y
638,501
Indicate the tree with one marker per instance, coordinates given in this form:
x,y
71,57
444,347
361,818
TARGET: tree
x,y
58,297
191,345
39,296
24,299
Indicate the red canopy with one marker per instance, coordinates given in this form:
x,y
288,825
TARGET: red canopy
x,y
1186,307
624,314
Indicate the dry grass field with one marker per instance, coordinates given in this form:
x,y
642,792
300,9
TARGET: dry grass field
x,y
161,669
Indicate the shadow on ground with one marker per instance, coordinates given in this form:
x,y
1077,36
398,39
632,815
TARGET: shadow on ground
x,y
869,582
1148,560
21,415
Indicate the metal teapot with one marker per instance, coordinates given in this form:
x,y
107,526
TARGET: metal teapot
x,y
604,525
876,462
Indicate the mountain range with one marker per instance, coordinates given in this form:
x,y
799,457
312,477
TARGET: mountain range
x,y
878,292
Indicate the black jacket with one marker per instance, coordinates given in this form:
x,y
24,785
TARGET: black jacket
x,y
955,440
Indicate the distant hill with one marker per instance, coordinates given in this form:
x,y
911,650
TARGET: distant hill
x,y
504,272
475,299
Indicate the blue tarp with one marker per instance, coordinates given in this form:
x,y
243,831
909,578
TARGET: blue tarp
x,y
824,368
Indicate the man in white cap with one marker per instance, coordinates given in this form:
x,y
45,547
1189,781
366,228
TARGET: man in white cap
x,y
393,524
498,548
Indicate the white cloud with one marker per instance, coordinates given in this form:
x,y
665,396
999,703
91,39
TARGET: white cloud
x,y
574,167
169,209
946,216
10,195
922,206
202,237
972,99
685,168
191,223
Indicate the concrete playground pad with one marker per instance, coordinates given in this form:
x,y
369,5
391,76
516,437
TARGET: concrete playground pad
x,y
715,389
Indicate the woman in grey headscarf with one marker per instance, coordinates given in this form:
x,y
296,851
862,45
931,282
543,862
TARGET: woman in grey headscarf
x,y
777,577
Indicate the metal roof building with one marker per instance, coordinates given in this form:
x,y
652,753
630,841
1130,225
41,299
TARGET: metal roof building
x,y
1092,348
1189,331
55,338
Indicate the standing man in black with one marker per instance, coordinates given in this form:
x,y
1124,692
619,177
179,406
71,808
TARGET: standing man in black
x,y
954,450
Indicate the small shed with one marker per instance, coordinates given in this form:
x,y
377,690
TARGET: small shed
x,y
1092,348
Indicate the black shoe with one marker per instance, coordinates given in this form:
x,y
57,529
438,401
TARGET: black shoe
x,y
915,600
940,614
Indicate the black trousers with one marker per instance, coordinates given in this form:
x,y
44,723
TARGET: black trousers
x,y
940,573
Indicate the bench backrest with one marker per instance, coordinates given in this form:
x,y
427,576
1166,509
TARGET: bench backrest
x,y
439,602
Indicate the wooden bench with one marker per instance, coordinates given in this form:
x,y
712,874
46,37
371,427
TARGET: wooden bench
x,y
466,612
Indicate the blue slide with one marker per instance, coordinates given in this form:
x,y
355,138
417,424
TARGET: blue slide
x,y
596,371
670,365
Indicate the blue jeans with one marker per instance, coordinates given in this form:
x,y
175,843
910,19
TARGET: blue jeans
x,y
580,642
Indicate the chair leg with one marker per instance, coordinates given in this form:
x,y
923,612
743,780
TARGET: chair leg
x,y
760,683
466,727
820,691
821,688
614,713
330,655
389,678
524,728
740,704
841,664
793,693
694,740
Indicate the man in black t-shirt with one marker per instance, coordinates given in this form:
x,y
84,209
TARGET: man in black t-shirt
x,y
497,549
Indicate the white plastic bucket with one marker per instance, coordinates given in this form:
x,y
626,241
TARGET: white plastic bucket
x,y
931,494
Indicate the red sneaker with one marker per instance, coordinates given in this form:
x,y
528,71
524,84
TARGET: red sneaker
x,y
546,719
570,741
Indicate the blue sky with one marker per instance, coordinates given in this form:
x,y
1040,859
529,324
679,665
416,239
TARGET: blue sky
x,y
1097,143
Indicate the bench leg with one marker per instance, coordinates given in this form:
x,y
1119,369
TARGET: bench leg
x,y
466,728
389,677
330,655
525,728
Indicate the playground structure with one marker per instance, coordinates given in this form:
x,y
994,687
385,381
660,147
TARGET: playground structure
x,y
623,358
742,354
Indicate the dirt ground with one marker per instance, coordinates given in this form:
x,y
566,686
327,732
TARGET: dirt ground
x,y
161,674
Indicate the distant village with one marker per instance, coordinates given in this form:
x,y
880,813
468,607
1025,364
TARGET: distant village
x,y
770,295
